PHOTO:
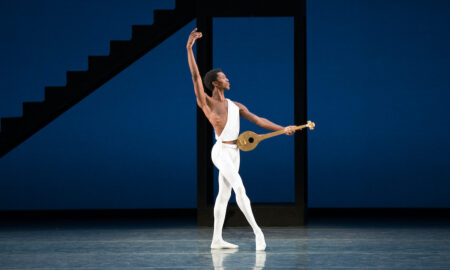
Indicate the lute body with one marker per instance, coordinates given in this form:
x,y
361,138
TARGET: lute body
x,y
248,140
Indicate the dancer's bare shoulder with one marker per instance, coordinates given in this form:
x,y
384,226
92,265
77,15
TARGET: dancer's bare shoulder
x,y
240,106
244,112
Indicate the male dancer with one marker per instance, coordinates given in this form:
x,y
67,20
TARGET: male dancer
x,y
223,114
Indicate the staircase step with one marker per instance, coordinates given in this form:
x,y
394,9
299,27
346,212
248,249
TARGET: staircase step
x,y
58,94
120,48
100,63
36,109
80,78
12,126
142,32
184,5
163,17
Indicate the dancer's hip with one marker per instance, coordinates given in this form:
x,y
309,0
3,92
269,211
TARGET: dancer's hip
x,y
219,149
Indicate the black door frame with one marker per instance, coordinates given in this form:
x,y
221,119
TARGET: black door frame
x,y
266,214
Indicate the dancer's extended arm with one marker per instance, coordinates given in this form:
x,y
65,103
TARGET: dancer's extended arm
x,y
262,122
196,78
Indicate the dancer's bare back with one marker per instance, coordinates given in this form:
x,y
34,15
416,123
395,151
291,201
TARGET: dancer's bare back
x,y
217,113
215,108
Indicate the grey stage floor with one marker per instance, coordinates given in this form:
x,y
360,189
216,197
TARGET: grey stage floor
x,y
179,244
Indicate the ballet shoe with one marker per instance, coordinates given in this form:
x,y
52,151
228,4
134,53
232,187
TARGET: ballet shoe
x,y
260,242
219,244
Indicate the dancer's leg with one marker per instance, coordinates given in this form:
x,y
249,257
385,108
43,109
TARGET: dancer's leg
x,y
228,169
220,209
244,204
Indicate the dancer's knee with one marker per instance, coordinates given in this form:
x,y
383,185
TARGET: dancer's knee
x,y
223,197
240,192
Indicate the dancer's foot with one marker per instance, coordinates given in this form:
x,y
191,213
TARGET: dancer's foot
x,y
219,244
260,241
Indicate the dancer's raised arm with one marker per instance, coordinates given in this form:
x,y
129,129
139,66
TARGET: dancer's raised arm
x,y
196,78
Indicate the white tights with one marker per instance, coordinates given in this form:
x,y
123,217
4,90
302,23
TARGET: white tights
x,y
227,161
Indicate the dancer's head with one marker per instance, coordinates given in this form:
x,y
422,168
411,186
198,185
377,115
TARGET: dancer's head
x,y
215,78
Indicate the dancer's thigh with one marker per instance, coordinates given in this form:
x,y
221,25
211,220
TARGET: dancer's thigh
x,y
237,159
224,185
227,167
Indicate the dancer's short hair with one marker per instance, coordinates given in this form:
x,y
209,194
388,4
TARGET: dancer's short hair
x,y
210,77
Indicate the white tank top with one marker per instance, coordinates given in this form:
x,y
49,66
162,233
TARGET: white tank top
x,y
231,129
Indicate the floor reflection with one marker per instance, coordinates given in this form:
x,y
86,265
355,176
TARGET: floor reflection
x,y
223,259
381,244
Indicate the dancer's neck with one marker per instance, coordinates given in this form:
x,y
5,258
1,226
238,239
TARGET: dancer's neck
x,y
218,94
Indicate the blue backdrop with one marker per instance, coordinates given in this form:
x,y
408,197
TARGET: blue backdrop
x,y
377,90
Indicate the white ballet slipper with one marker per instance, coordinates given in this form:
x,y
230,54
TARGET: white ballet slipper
x,y
260,242
220,244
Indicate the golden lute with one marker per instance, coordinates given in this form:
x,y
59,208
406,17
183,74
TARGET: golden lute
x,y
248,140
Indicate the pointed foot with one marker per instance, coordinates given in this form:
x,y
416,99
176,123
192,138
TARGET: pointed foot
x,y
260,242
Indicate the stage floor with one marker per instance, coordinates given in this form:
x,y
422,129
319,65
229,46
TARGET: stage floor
x,y
180,244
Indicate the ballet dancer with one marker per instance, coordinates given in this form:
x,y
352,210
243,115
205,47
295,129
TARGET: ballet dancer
x,y
223,114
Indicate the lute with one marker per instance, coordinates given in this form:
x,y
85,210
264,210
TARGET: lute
x,y
248,140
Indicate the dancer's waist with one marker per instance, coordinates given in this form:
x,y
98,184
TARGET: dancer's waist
x,y
229,144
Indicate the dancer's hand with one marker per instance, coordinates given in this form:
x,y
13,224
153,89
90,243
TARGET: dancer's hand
x,y
289,130
192,37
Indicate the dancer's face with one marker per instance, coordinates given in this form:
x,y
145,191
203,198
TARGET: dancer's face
x,y
222,81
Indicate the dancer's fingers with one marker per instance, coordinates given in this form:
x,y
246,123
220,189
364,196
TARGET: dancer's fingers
x,y
289,130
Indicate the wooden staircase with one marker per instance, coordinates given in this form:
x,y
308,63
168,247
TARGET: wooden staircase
x,y
58,99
